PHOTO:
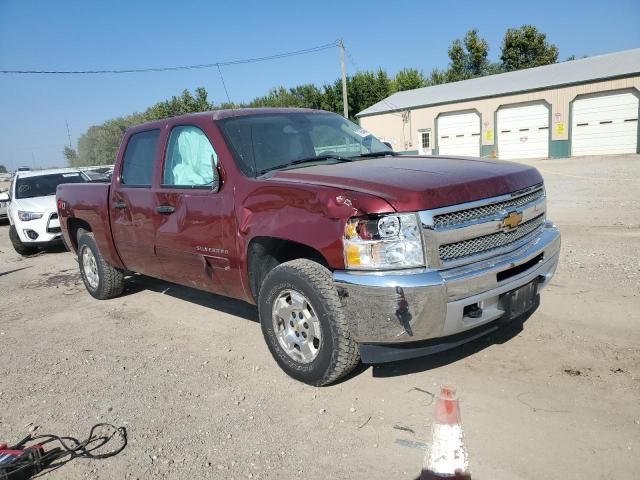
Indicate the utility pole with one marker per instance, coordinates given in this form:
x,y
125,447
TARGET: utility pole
x,y
68,133
344,81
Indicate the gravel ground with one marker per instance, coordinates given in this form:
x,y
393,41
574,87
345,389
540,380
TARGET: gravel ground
x,y
189,376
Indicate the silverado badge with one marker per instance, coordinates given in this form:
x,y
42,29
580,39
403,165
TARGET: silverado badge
x,y
512,220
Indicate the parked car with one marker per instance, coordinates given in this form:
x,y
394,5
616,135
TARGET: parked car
x,y
31,208
349,251
3,208
95,176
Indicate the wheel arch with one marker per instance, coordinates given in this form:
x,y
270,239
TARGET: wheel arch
x,y
73,226
265,253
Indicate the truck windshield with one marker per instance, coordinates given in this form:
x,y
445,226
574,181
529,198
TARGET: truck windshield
x,y
265,142
45,185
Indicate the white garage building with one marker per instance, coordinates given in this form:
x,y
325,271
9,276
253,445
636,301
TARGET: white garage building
x,y
588,106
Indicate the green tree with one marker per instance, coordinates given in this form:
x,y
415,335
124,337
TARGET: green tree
x,y
71,155
303,96
363,90
408,79
477,49
468,57
457,66
526,47
99,144
3,169
332,97
179,105
436,77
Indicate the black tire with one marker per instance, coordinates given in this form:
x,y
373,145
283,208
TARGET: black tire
x,y
110,280
18,246
337,354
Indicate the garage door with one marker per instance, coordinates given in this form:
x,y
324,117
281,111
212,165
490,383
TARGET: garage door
x,y
523,132
605,124
459,134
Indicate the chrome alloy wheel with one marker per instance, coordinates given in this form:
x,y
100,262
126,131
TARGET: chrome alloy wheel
x,y
296,326
90,267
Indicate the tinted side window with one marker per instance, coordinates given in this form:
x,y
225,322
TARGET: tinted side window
x,y
190,159
137,168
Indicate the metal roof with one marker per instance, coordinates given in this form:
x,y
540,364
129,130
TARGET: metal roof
x,y
618,64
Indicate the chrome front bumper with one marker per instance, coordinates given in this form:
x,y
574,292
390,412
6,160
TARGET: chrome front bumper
x,y
420,304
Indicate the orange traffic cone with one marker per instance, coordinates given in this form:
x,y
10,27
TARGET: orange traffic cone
x,y
446,454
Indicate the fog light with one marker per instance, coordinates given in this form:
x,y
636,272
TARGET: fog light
x,y
472,311
31,234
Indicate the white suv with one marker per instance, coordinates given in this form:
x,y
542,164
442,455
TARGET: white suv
x,y
32,208
3,209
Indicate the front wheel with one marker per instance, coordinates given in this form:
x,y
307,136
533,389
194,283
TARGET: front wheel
x,y
102,280
303,324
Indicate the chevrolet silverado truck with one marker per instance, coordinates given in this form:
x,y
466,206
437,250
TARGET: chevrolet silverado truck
x,y
350,251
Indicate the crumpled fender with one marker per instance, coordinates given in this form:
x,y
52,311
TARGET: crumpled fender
x,y
307,214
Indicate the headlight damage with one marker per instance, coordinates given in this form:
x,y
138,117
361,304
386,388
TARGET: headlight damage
x,y
388,241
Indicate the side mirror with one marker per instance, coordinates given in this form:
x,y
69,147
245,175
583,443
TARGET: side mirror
x,y
4,197
388,145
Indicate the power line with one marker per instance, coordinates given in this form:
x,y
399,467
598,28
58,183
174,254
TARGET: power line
x,y
305,51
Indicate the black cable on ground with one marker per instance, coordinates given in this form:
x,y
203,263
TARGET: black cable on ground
x,y
65,450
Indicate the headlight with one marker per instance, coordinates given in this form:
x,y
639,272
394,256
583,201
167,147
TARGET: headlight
x,y
28,216
389,241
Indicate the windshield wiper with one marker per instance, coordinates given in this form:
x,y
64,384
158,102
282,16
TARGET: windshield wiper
x,y
376,154
326,156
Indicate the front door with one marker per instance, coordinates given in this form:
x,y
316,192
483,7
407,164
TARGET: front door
x,y
132,204
195,240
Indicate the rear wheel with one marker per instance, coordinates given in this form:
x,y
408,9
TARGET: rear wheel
x,y
102,280
18,246
303,324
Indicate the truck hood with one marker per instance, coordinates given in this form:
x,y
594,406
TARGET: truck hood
x,y
36,204
411,183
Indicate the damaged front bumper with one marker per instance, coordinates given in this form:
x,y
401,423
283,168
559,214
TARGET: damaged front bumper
x,y
400,307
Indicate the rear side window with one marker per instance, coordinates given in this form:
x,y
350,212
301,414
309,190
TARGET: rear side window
x,y
137,168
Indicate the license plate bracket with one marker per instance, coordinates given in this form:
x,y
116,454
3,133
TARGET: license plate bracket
x,y
520,300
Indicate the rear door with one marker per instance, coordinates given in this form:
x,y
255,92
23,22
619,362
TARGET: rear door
x,y
195,239
132,204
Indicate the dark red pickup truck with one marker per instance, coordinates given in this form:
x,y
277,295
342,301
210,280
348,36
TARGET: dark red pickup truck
x,y
349,251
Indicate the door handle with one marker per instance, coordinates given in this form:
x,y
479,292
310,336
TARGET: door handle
x,y
119,205
165,209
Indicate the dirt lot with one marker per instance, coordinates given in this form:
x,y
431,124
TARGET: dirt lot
x,y
189,375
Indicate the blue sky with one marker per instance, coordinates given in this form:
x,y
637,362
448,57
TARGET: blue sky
x,y
128,34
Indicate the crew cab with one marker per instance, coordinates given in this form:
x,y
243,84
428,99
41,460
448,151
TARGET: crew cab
x,y
31,208
350,251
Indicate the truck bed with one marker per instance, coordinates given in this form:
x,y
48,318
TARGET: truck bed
x,y
87,203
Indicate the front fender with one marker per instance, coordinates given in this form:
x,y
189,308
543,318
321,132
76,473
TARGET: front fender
x,y
308,215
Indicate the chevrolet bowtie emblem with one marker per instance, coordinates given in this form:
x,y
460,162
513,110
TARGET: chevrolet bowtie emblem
x,y
512,220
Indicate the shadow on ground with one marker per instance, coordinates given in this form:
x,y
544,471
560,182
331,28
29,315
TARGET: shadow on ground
x,y
421,364
137,283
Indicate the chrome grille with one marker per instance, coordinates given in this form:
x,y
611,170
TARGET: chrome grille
x,y
474,246
465,216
